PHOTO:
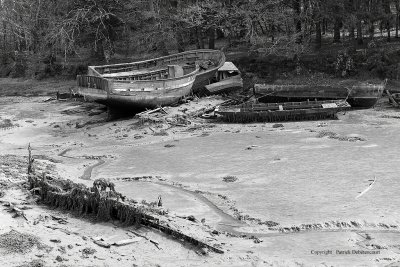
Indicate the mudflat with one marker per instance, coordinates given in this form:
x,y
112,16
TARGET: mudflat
x,y
291,194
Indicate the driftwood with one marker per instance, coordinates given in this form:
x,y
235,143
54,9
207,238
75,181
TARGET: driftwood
x,y
147,112
126,242
17,211
393,102
202,111
102,201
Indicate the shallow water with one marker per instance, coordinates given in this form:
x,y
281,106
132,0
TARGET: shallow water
x,y
290,177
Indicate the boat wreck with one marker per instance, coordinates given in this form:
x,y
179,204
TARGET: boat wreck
x,y
228,78
359,95
139,91
150,83
289,111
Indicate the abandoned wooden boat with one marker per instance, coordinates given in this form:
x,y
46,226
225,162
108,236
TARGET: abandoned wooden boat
x,y
228,78
208,60
139,91
359,95
289,111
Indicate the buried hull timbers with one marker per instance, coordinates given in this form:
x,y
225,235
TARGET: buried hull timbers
x,y
105,205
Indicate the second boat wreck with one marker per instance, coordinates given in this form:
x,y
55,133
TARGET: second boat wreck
x,y
289,111
363,95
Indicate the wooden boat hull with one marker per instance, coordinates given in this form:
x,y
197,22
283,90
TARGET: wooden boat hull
x,y
135,101
290,111
362,96
135,95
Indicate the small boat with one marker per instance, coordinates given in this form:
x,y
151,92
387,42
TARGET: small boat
x,y
140,91
228,78
359,95
289,111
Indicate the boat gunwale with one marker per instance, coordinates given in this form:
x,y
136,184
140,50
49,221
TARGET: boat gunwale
x,y
277,88
193,73
249,107
223,59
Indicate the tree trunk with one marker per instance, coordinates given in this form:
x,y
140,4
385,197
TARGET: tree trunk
x,y
397,4
4,36
220,34
336,31
162,47
297,21
371,30
388,13
272,32
180,41
127,43
200,42
211,38
318,34
151,5
261,27
359,33
351,33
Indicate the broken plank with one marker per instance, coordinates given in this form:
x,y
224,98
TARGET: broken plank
x,y
102,243
126,241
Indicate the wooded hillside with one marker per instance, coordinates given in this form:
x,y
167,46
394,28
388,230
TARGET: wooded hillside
x,y
48,37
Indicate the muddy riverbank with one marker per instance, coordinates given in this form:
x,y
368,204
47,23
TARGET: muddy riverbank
x,y
291,189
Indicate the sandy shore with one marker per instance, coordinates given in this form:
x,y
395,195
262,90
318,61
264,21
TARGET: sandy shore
x,y
267,194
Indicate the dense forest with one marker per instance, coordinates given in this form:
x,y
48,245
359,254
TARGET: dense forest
x,y
48,37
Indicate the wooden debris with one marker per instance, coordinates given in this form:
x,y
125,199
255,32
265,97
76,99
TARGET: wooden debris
x,y
102,243
126,242
148,112
392,101
155,244
59,219
17,211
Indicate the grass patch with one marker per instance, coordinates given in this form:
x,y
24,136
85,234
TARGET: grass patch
x,y
169,145
16,242
326,134
336,136
230,179
6,124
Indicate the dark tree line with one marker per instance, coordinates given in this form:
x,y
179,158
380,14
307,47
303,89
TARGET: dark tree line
x,y
102,28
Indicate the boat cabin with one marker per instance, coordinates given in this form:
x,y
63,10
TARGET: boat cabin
x,y
226,71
